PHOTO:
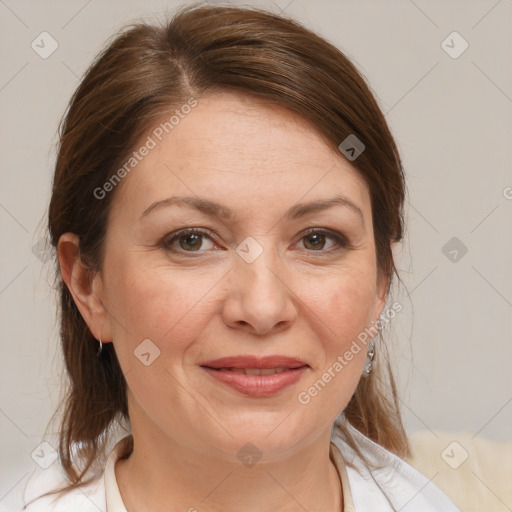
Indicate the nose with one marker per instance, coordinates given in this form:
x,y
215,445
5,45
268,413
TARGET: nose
x,y
259,298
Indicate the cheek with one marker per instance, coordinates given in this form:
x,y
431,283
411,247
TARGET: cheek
x,y
339,314
168,308
171,310
342,311
345,304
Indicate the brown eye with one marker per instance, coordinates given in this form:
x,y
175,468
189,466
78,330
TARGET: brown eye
x,y
318,240
314,241
188,240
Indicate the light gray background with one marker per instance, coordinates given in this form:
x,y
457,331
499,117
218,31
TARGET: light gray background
x,y
452,121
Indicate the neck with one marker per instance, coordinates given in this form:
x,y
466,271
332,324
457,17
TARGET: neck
x,y
162,474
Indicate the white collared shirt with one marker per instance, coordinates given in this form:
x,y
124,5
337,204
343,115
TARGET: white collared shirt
x,y
390,485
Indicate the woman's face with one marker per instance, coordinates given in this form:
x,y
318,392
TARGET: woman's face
x,y
250,279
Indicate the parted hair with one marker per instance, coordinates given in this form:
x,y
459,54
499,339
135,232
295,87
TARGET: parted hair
x,y
146,71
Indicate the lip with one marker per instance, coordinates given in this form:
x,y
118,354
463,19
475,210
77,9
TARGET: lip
x,y
250,361
258,386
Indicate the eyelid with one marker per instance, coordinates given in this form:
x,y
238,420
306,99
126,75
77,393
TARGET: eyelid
x,y
168,239
342,241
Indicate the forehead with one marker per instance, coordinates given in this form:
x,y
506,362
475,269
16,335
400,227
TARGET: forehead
x,y
236,147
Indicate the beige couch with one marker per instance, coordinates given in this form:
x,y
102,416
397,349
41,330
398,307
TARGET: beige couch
x,y
474,472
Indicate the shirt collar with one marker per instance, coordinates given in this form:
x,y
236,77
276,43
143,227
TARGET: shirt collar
x,y
337,458
112,494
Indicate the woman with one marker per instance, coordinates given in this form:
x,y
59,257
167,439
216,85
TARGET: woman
x,y
225,202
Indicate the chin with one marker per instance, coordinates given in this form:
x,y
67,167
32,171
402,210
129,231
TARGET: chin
x,y
261,432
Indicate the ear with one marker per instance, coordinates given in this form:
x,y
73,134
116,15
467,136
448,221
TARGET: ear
x,y
85,286
380,296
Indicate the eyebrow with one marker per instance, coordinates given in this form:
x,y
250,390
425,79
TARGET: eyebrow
x,y
217,210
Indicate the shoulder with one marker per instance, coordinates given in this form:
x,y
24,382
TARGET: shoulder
x,y
28,496
386,482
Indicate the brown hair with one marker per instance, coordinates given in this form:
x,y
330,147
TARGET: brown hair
x,y
147,71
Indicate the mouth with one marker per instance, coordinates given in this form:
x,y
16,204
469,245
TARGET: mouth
x,y
252,363
253,371
256,377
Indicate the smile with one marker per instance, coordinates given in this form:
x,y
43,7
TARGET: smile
x,y
257,382
253,371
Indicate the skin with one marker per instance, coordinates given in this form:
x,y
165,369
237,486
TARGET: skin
x,y
302,297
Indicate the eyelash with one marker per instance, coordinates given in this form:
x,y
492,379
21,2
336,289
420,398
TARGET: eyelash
x,y
168,240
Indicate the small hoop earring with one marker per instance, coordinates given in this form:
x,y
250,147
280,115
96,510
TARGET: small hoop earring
x,y
369,358
100,348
